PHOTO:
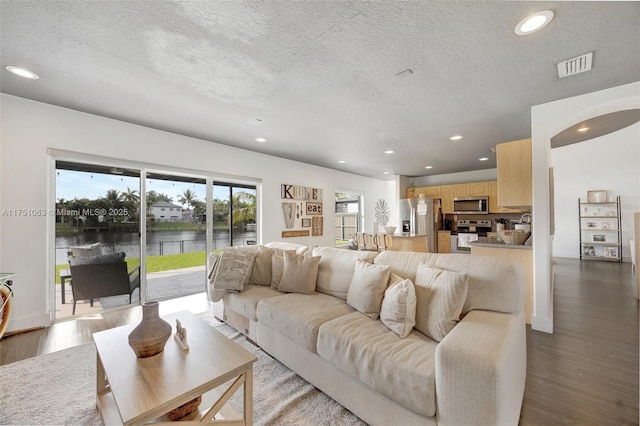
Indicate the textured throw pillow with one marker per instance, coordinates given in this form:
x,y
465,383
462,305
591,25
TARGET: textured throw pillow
x,y
398,311
440,296
89,250
300,273
367,287
103,258
277,266
261,272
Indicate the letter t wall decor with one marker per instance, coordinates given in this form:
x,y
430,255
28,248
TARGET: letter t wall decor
x,y
300,204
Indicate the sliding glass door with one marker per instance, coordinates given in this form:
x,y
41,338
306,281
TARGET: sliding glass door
x,y
176,235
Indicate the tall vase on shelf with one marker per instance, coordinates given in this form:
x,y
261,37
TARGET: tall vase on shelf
x,y
150,336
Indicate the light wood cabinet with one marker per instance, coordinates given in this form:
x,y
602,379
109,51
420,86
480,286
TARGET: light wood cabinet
x,y
428,191
493,200
479,188
461,190
444,241
447,198
514,174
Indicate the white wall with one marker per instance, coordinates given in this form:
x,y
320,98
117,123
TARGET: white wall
x,y
548,120
610,162
29,129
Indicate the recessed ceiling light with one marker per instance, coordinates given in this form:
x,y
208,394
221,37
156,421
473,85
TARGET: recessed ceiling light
x,y
342,161
583,129
260,140
428,167
483,158
22,72
533,23
389,151
455,137
386,173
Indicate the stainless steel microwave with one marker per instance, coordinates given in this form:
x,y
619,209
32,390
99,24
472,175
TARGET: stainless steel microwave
x,y
471,205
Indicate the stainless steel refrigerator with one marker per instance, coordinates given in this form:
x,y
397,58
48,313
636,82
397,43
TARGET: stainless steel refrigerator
x,y
421,216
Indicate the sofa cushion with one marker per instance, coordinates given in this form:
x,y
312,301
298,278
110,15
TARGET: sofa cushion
x,y
300,273
94,260
246,301
261,272
85,251
398,311
367,288
495,284
401,369
299,316
403,263
440,295
336,269
298,248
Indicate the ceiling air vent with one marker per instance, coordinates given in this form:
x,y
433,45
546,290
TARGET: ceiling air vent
x,y
576,65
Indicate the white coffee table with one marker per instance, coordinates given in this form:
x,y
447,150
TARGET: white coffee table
x,y
133,390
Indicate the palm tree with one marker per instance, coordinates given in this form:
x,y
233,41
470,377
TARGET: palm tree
x,y
113,198
187,197
131,196
243,207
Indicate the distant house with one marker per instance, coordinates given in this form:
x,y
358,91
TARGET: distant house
x,y
164,211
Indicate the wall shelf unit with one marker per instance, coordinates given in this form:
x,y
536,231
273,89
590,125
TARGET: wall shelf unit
x,y
600,230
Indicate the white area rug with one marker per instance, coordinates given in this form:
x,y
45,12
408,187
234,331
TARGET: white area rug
x,y
59,389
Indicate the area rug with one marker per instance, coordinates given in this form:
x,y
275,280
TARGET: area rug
x,y
59,389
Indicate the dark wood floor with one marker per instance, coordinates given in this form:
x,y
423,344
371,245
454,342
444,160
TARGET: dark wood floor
x,y
586,373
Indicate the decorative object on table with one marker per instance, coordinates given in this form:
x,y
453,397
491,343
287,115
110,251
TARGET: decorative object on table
x,y
181,336
185,409
390,229
514,236
149,337
382,212
288,211
597,196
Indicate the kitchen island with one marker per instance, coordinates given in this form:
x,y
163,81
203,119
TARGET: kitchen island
x,y
521,254
409,242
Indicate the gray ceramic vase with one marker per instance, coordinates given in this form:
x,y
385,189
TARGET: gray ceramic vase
x,y
149,337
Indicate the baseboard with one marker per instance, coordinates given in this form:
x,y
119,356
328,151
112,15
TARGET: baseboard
x,y
542,324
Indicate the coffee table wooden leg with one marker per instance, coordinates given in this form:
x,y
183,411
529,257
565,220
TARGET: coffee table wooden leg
x,y
248,397
102,385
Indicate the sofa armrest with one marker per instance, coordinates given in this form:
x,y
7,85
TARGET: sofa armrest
x,y
481,369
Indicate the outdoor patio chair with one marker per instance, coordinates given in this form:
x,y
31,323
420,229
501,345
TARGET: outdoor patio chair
x,y
102,276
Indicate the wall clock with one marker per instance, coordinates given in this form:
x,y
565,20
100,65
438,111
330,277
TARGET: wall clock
x,y
382,212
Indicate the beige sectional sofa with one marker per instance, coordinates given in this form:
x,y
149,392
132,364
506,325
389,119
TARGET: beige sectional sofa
x,y
474,376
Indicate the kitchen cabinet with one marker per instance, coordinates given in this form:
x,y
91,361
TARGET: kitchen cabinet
x,y
600,230
401,242
461,190
447,198
444,241
479,188
514,174
493,201
428,191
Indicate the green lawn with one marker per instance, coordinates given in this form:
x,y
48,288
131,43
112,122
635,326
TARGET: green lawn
x,y
159,263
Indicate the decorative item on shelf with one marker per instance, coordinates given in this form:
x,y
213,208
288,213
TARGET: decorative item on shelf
x,y
597,196
149,337
185,409
181,336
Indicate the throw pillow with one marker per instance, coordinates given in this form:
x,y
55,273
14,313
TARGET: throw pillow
x,y
300,273
398,311
103,258
367,287
261,272
89,250
440,296
277,266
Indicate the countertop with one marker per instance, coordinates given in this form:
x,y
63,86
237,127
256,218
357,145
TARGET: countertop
x,y
408,235
494,243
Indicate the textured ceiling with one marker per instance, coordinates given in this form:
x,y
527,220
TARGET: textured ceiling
x,y
319,79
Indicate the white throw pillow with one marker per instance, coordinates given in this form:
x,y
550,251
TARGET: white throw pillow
x,y
300,273
367,288
440,296
398,311
277,266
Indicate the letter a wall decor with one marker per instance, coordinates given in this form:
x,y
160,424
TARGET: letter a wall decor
x,y
301,204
